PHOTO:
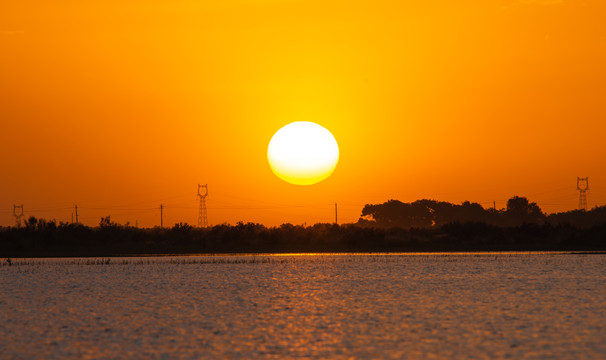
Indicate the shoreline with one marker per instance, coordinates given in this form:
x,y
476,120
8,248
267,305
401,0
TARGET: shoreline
x,y
292,254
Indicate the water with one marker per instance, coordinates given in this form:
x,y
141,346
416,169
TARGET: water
x,y
520,306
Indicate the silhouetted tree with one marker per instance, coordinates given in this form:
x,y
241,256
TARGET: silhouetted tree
x,y
520,211
395,213
106,222
580,218
31,222
182,227
430,213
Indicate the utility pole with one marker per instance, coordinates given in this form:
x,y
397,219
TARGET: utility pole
x,y
336,222
161,216
494,205
76,208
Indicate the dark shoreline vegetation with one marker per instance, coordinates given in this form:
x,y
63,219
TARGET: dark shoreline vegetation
x,y
421,226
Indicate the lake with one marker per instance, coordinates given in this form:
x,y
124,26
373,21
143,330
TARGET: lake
x,y
363,306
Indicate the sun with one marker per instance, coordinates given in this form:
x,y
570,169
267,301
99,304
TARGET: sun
x,y
303,153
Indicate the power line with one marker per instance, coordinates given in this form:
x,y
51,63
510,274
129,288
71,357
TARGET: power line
x,y
553,199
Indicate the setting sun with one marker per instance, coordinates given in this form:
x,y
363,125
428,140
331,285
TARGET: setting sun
x,y
303,153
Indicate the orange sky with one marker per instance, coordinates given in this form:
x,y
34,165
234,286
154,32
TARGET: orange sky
x,y
118,106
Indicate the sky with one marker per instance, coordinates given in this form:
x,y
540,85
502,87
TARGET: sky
x,y
120,106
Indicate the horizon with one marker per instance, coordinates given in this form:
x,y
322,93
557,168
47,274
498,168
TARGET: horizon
x,y
92,223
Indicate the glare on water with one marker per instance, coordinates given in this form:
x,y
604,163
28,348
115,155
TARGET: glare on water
x,y
331,306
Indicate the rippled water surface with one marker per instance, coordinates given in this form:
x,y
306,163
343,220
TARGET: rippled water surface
x,y
311,306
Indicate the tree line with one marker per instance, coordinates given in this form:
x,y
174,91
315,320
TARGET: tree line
x,y
432,213
394,226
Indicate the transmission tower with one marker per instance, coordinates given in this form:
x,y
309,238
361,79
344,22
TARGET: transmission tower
x,y
18,214
582,186
202,212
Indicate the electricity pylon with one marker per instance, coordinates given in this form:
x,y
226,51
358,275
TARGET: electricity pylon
x,y
18,214
582,186
202,212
